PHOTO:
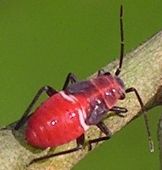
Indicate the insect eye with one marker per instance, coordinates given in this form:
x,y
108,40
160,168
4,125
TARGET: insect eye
x,y
122,96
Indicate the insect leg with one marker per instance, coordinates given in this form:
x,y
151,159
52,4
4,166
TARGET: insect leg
x,y
132,89
71,78
49,90
119,110
105,130
102,72
80,142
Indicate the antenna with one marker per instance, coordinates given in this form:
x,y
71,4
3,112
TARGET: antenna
x,y
118,70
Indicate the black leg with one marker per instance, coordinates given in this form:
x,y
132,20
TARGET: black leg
x,y
80,142
105,130
119,110
132,89
71,78
102,72
49,90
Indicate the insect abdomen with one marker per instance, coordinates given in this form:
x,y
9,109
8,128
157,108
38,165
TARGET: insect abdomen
x,y
56,122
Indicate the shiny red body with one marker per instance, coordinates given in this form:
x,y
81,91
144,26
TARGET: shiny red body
x,y
62,117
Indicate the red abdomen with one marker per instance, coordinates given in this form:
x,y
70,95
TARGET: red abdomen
x,y
55,122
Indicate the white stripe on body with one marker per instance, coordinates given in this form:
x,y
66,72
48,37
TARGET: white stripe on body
x,y
81,111
68,97
82,119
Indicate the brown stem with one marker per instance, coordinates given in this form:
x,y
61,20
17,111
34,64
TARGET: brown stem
x,y
142,69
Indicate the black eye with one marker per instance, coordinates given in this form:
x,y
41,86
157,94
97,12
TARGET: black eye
x,y
122,96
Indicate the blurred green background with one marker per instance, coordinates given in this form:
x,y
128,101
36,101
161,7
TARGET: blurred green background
x,y
41,41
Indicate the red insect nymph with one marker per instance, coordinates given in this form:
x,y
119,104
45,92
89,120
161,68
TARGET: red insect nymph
x,y
68,113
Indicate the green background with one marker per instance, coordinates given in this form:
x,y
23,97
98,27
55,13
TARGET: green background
x,y
41,41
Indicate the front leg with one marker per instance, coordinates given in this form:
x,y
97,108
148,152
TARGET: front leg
x,y
133,90
119,110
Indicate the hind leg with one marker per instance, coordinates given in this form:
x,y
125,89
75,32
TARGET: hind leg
x,y
80,143
47,89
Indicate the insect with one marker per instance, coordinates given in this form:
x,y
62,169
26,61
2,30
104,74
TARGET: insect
x,y
68,113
